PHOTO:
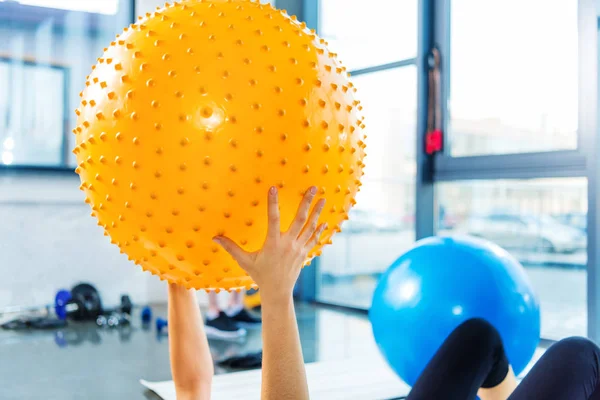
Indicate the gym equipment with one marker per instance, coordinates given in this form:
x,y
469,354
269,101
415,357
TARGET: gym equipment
x,y
440,283
118,319
82,303
126,305
113,320
146,315
192,113
60,303
86,300
26,323
102,321
161,324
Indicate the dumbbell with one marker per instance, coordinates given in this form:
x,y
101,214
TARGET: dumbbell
x,y
81,301
146,315
160,325
117,316
113,320
80,304
126,305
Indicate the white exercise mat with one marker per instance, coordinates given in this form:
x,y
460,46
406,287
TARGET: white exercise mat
x,y
358,379
336,380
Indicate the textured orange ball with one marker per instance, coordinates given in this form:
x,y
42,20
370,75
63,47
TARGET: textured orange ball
x,y
190,116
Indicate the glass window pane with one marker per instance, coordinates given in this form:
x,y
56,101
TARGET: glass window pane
x,y
381,226
47,48
367,33
513,86
110,7
543,223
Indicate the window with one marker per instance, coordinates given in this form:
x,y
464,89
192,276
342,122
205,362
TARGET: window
x,y
33,125
369,33
46,50
377,42
513,87
542,222
381,226
109,7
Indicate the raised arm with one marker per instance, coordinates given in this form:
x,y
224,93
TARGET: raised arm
x,y
191,362
275,268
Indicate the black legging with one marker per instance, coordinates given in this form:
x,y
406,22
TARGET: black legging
x,y
473,357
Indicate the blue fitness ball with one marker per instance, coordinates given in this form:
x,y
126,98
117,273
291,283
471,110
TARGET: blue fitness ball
x,y
442,282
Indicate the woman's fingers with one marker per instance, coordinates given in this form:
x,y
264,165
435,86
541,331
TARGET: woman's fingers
x,y
302,213
274,229
314,239
238,254
311,224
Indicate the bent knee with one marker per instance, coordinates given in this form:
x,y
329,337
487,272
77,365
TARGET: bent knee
x,y
479,333
479,327
576,346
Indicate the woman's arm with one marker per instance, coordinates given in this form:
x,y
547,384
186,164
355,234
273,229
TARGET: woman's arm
x,y
283,371
191,362
275,269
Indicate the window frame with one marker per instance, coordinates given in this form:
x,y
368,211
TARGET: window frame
x,y
434,32
519,165
65,71
63,166
308,11
581,162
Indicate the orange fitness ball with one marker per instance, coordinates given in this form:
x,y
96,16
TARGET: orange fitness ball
x,y
189,117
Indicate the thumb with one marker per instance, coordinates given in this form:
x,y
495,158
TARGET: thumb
x,y
240,255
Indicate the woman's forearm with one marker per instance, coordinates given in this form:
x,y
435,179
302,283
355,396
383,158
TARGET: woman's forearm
x,y
275,269
191,362
284,377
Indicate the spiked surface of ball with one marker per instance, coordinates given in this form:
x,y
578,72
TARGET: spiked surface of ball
x,y
189,117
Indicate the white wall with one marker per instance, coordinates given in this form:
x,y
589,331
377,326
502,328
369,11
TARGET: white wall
x,y
48,241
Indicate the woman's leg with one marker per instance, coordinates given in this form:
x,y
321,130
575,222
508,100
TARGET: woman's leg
x,y
213,306
218,324
238,313
236,303
472,357
568,370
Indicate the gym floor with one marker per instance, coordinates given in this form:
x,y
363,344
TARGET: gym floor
x,y
98,364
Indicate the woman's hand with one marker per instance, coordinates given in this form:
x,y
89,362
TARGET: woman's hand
x,y
277,265
275,268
